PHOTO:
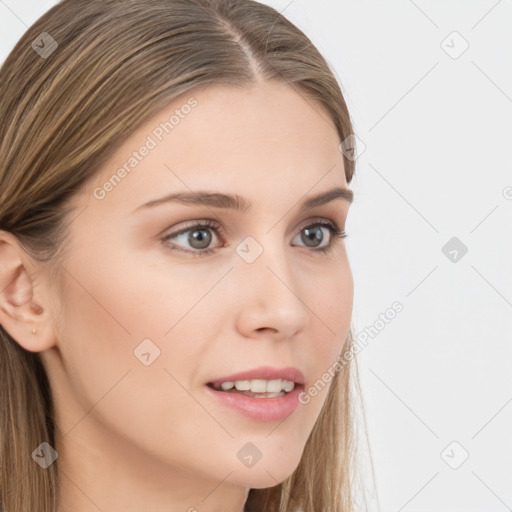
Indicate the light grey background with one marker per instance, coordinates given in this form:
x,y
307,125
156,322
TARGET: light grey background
x,y
434,122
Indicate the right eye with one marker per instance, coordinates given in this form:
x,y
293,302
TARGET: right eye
x,y
198,234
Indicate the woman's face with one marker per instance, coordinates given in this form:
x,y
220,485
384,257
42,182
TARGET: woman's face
x,y
148,316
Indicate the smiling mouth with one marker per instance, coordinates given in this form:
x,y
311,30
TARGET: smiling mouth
x,y
254,394
258,399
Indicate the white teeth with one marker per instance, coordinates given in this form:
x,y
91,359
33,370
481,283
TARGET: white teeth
x,y
288,385
273,386
258,385
242,385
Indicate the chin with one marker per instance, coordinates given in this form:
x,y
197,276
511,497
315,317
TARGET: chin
x,y
265,474
261,480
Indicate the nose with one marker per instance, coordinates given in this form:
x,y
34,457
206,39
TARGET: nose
x,y
269,296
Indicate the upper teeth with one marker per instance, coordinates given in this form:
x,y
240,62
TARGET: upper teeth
x,y
258,386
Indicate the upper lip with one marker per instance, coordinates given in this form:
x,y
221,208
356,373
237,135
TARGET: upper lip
x,y
264,373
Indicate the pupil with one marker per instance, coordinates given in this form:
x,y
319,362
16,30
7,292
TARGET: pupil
x,y
314,234
204,241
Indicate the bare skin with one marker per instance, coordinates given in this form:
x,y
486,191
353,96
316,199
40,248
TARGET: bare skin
x,y
133,437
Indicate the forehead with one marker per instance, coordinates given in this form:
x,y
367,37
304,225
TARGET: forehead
x,y
263,140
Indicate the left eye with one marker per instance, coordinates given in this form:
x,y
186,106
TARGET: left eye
x,y
199,236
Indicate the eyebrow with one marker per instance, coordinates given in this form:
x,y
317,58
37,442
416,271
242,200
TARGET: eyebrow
x,y
241,204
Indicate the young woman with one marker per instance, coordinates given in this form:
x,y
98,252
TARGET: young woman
x,y
175,293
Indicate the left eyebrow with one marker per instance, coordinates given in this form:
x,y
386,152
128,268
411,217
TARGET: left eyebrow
x,y
239,203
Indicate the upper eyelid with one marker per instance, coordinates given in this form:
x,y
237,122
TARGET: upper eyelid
x,y
221,227
335,229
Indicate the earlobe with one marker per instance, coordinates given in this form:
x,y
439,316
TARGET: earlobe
x,y
24,318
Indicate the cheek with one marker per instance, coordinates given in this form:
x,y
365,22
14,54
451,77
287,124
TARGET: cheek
x,y
120,307
331,316
331,304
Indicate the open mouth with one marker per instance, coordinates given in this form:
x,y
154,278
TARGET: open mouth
x,y
260,400
256,389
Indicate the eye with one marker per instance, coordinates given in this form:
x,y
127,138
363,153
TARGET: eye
x,y
313,233
199,236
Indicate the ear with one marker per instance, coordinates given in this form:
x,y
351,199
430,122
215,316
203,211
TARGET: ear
x,y
22,305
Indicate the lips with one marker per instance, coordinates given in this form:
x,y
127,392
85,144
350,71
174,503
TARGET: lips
x,y
264,373
258,409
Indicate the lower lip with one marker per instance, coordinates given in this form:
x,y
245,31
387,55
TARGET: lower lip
x,y
261,409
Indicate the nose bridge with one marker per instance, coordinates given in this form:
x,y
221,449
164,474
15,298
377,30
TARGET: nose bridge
x,y
267,261
270,294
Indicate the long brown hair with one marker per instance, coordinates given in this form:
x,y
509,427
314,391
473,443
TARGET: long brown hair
x,y
109,66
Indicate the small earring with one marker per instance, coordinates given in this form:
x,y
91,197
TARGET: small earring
x,y
33,331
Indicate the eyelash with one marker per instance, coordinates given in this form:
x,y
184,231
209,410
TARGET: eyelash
x,y
337,233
